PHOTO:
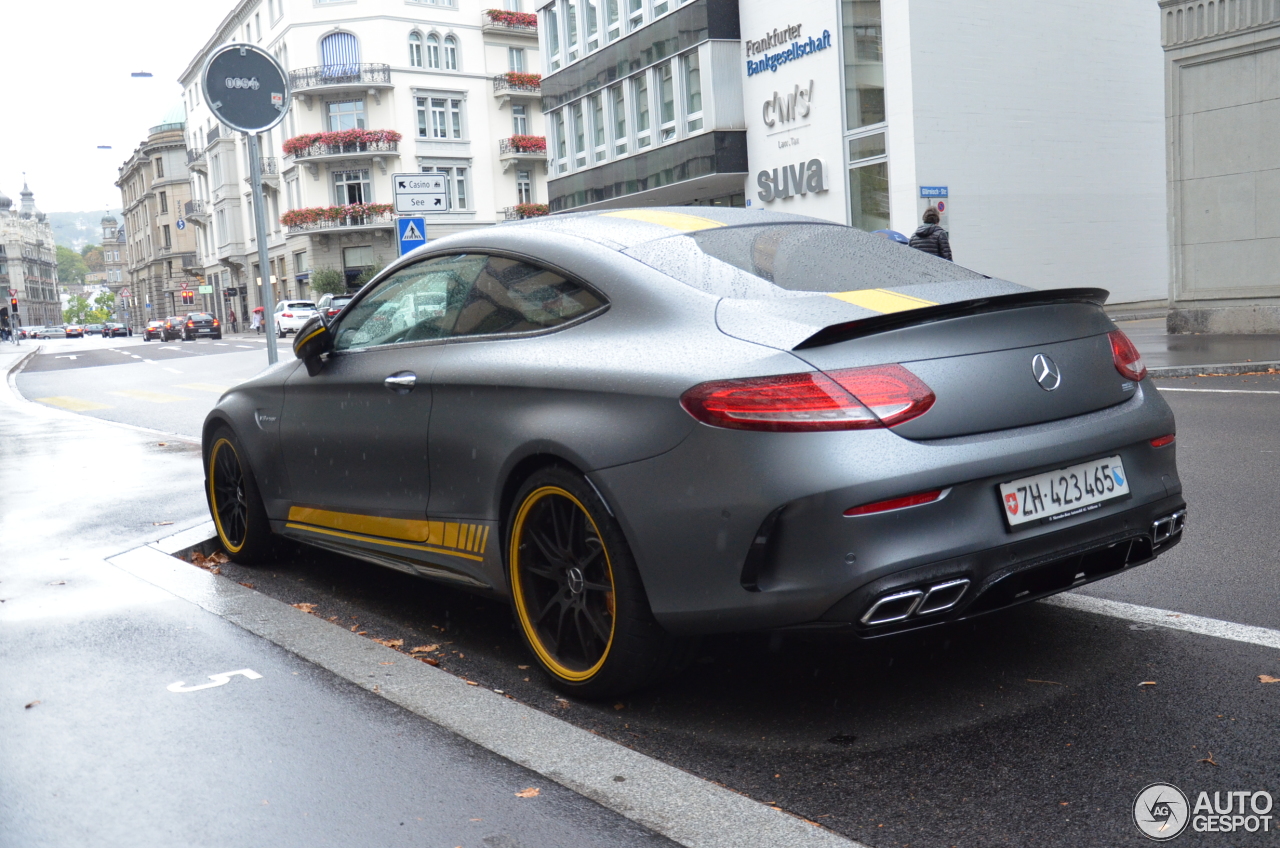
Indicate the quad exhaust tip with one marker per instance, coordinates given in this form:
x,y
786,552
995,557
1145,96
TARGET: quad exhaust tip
x,y
1164,529
900,606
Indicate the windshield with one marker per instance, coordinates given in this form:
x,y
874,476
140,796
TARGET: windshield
x,y
777,260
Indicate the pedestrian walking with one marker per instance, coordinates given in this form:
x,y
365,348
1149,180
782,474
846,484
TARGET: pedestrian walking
x,y
231,318
930,237
256,323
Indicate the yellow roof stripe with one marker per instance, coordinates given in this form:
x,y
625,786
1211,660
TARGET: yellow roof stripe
x,y
882,300
674,220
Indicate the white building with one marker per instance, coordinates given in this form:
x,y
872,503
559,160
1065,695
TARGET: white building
x,y
28,264
1037,128
430,84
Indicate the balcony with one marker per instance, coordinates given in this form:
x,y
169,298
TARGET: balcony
x,y
329,219
195,210
314,147
525,210
522,148
196,161
513,85
372,79
270,172
502,22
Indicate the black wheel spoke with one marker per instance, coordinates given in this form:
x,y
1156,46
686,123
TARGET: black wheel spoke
x,y
597,624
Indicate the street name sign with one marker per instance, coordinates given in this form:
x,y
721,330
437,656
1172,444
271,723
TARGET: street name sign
x,y
419,193
411,233
931,192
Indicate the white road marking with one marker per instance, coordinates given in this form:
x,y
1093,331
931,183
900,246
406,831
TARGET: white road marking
x,y
1263,636
218,680
68,356
173,370
250,347
135,356
220,344
152,361
1225,391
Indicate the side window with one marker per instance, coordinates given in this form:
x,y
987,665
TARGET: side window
x,y
417,303
509,296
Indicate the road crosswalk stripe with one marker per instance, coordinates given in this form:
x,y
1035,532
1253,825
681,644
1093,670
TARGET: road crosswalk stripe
x,y
203,387
152,397
72,403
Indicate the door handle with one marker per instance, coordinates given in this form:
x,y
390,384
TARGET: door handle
x,y
401,383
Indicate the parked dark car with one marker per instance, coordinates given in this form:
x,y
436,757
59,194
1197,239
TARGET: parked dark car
x,y
172,328
153,330
333,305
200,325
74,331
112,330
93,329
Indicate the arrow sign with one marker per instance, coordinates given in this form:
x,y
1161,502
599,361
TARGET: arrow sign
x,y
418,193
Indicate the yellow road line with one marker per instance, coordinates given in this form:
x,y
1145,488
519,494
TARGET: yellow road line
x,y
149,396
882,300
203,387
71,403
674,220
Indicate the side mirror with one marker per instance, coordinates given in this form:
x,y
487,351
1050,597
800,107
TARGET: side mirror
x,y
313,341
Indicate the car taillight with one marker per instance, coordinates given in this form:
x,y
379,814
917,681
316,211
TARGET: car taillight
x,y
847,399
286,315
215,322
191,323
1163,440
1126,357
896,503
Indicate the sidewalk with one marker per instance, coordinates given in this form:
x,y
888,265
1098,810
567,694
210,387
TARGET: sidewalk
x,y
1189,355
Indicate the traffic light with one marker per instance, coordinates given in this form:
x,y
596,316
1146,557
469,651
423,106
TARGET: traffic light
x,y
188,297
13,310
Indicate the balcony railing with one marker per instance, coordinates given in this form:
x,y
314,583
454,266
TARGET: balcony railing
x,y
528,146
518,84
212,136
319,219
524,210
194,156
270,166
338,75
365,147
194,209
515,23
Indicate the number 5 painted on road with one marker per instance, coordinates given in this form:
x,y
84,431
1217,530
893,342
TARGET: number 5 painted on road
x,y
218,680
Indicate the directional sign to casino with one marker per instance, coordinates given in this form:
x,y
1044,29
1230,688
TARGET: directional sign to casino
x,y
416,194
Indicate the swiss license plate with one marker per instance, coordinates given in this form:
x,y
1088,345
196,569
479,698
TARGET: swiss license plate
x,y
1065,492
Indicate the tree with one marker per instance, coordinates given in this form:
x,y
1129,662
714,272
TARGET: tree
x,y
328,281
92,254
78,310
106,307
71,266
368,274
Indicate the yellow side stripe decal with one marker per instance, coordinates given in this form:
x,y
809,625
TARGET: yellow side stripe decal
x,y
438,534
882,300
358,538
675,220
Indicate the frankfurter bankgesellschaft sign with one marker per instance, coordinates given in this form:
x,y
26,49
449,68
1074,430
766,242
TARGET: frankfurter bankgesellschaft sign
x,y
796,47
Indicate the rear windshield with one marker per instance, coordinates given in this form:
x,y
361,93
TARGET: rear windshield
x,y
200,316
775,260
301,304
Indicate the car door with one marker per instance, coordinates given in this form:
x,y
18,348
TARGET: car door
x,y
354,434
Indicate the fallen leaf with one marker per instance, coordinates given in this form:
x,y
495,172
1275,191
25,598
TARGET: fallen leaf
x,y
1266,678
470,683
424,649
1064,803
30,705
531,792
1208,759
619,706
305,607
522,667
161,444
387,663
247,585
429,660
1147,683
218,557
161,523
362,632
391,643
215,570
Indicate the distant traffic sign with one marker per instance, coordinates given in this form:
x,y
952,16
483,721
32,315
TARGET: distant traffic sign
x,y
246,88
206,290
412,232
125,293
182,223
419,193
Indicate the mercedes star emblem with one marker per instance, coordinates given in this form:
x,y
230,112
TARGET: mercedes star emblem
x,y
1045,372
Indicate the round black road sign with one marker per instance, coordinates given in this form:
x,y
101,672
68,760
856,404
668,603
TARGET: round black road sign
x,y
246,88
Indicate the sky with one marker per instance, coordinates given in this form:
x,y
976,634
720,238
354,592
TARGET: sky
x,y
66,89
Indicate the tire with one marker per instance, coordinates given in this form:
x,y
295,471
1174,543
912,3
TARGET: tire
x,y
235,503
581,606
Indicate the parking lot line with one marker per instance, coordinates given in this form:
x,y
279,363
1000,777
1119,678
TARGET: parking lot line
x,y
71,403
1263,636
151,397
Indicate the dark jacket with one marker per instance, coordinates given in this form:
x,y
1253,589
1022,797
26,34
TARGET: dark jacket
x,y
932,239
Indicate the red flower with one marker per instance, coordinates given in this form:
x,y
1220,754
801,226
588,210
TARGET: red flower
x,y
515,19
523,80
300,144
528,143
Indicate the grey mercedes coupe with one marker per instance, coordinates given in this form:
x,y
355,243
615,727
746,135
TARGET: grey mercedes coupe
x,y
640,425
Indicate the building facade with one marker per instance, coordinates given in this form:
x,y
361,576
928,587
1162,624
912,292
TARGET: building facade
x,y
159,255
866,112
388,87
1222,86
28,264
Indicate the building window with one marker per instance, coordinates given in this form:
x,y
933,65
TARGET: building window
x,y
450,53
346,115
666,101
692,93
619,101
591,13
164,203
869,182
659,7
524,186
456,181
863,63
433,51
612,20
351,187
635,14
562,155
515,59
159,168
553,36
168,236
579,135
571,30
440,117
640,99
415,49
519,119
598,129
511,5
340,54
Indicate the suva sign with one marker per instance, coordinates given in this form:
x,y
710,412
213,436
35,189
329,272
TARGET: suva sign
x,y
789,180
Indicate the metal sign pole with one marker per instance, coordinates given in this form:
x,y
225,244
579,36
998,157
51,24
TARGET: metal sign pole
x,y
260,221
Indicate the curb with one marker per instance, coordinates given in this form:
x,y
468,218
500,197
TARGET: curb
x,y
1213,370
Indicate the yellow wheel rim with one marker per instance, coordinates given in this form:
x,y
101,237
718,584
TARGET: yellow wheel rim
x,y
227,497
562,583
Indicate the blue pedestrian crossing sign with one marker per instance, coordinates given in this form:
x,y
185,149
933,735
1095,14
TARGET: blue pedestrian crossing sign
x,y
411,232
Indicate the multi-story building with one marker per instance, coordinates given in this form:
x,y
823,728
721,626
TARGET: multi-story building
x,y
115,269
404,86
159,254
28,264
1222,96
866,112
644,103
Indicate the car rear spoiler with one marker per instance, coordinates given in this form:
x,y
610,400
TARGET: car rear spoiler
x,y
881,323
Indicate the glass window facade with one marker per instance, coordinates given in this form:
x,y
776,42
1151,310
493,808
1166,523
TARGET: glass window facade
x,y
863,63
